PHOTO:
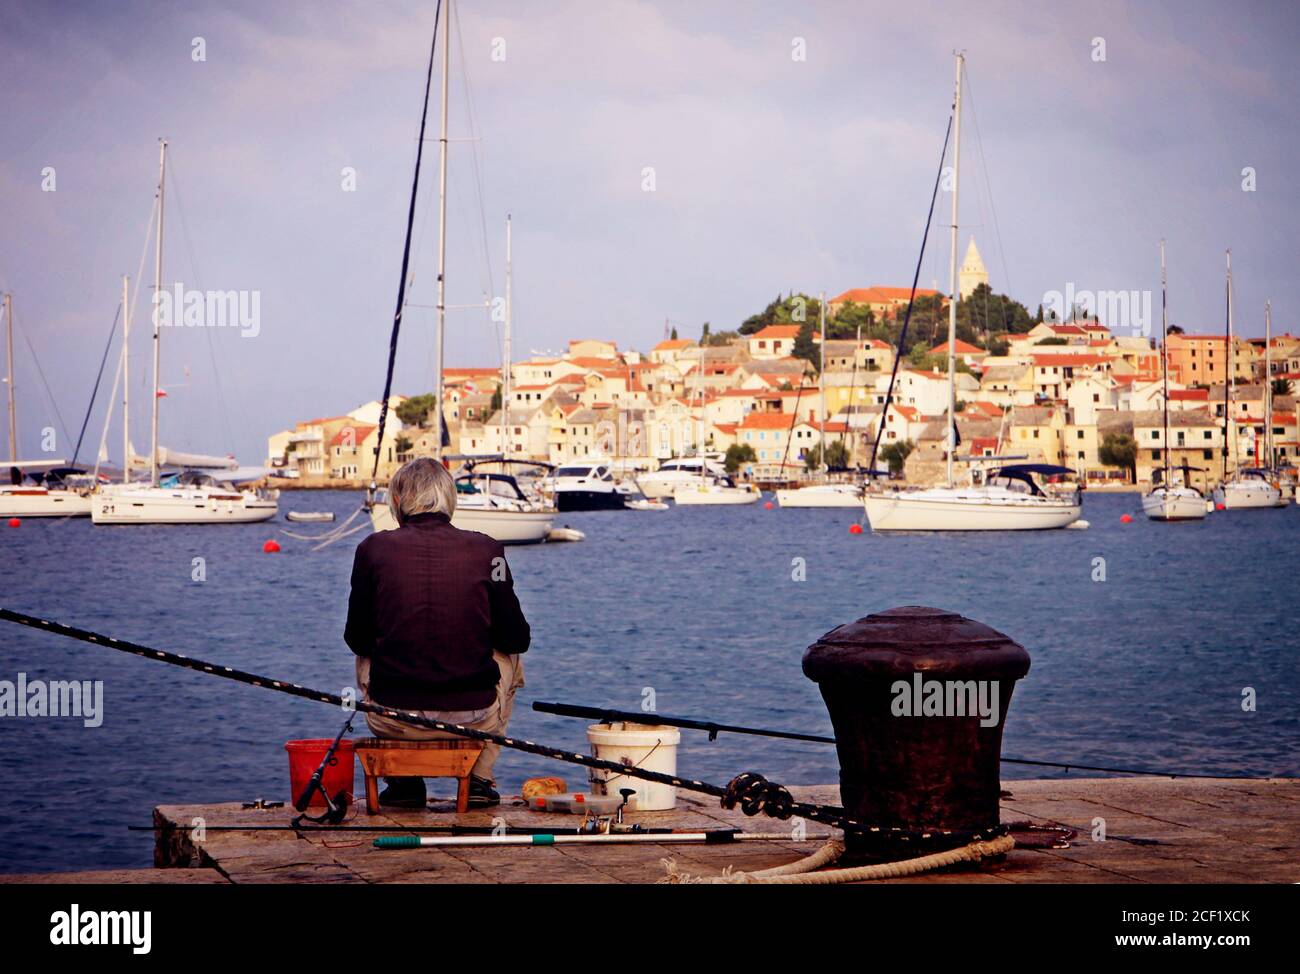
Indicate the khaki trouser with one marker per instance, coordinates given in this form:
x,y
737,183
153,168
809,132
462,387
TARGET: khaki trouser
x,y
492,719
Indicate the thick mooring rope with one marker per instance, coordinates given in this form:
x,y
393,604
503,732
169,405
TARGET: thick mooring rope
x,y
804,871
750,792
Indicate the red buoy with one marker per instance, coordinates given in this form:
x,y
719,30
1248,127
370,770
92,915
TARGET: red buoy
x,y
855,528
14,522
767,505
1125,518
1220,507
271,546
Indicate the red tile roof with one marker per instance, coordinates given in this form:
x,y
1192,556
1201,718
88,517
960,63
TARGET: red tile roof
x,y
673,344
961,348
357,434
777,331
767,420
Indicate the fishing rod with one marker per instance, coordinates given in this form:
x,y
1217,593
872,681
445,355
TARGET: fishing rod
x,y
707,837
750,792
609,714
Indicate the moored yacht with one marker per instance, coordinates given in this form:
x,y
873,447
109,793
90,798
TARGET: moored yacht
x,y
589,487
190,497
820,495
676,472
45,488
715,491
1009,500
1174,502
1249,488
491,503
1167,501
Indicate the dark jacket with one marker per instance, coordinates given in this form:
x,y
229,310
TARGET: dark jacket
x,y
429,604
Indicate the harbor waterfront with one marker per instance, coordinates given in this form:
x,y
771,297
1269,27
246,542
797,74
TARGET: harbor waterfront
x,y
1152,646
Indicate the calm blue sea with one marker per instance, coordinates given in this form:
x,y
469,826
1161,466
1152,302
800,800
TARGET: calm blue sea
x,y
1145,668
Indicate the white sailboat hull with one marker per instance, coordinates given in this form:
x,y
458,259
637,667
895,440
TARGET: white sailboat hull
x,y
820,495
944,509
506,526
179,505
1247,494
696,496
42,502
1176,504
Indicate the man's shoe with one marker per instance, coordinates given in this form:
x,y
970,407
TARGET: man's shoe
x,y
403,793
482,794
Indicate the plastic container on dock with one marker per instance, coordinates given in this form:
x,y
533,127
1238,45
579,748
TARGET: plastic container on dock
x,y
577,803
650,747
305,757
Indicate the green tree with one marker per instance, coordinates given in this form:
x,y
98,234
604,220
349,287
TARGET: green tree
x,y
704,334
737,454
983,312
850,319
896,454
674,335
1119,450
837,457
804,345
496,400
1282,387
716,338
792,310
415,411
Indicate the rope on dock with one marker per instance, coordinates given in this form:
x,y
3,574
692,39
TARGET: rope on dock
x,y
804,871
751,792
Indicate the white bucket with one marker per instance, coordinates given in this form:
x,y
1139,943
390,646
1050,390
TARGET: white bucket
x,y
650,747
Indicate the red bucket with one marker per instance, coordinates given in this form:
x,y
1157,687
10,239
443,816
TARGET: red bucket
x,y
305,757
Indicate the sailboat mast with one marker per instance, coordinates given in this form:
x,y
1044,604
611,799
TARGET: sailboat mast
x,y
1164,346
821,385
1227,382
952,275
126,379
157,311
442,238
13,409
505,365
1268,384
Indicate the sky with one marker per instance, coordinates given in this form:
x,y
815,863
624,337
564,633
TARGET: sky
x,y
792,147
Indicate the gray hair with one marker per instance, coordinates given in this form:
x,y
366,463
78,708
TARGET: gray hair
x,y
421,486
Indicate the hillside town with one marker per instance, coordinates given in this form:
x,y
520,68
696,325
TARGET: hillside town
x,y
1070,393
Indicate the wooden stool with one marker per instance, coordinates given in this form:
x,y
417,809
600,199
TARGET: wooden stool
x,y
381,757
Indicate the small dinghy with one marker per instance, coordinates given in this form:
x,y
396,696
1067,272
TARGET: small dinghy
x,y
645,504
310,517
565,534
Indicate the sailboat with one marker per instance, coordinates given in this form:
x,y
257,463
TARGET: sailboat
x,y
710,489
1167,501
36,487
1245,488
1008,498
190,496
490,503
823,494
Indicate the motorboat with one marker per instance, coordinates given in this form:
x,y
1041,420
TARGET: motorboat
x,y
489,502
589,487
715,491
673,473
820,495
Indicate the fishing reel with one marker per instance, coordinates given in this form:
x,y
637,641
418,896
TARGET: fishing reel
x,y
336,808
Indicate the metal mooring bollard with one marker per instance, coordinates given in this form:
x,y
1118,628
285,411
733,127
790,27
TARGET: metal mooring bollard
x,y
918,697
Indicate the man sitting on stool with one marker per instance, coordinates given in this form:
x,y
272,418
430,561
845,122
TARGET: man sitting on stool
x,y
435,625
